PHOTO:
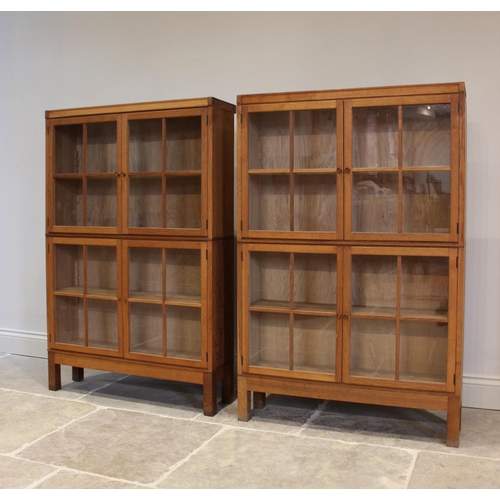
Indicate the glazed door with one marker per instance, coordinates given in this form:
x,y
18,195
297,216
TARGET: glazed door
x,y
291,166
402,169
166,168
165,304
290,305
84,294
400,317
84,169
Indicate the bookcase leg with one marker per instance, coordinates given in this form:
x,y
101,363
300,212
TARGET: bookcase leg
x,y
453,421
228,394
259,400
54,374
243,401
209,395
76,374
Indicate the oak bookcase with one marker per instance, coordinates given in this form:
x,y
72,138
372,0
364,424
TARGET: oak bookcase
x,y
140,242
351,242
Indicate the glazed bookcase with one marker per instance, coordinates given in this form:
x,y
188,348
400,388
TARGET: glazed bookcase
x,y
351,247
140,242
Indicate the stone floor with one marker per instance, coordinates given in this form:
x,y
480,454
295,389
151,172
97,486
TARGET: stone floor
x,y
116,431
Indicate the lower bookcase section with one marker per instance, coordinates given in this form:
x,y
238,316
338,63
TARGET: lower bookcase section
x,y
261,385
208,379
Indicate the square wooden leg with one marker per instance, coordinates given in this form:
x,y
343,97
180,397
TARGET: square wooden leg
x,y
243,401
54,374
77,374
259,400
453,421
209,395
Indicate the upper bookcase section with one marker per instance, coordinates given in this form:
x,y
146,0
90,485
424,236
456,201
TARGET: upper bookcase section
x,y
159,168
379,164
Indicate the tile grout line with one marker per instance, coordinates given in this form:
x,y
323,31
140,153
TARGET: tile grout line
x,y
315,414
90,392
13,454
174,467
411,469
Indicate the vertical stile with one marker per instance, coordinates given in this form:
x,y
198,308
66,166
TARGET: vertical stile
x,y
398,319
292,195
400,169
164,173
291,310
340,165
164,298
84,175
85,312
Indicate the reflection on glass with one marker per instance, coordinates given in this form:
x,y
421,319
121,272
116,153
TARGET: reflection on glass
x,y
426,135
69,320
145,268
101,270
146,328
102,324
183,143
183,332
373,348
145,202
375,137
68,149
374,285
69,202
424,286
423,354
314,343
69,268
270,279
270,340
375,203
315,202
101,147
269,140
183,202
183,274
426,202
101,202
269,204
314,139
145,150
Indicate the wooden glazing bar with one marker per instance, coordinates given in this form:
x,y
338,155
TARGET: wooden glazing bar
x,y
164,296
163,177
85,311
400,172
292,196
84,175
398,320
291,319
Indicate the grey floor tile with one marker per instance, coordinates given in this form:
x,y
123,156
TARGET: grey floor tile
x,y
26,417
380,425
67,479
281,414
17,473
251,459
27,374
436,470
122,444
151,396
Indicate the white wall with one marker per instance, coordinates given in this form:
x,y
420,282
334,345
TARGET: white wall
x,y
60,60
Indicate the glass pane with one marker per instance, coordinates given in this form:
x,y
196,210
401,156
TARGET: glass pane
x,y
183,275
269,204
270,340
145,271
426,135
183,143
315,282
373,348
102,324
101,202
424,287
144,151
375,137
314,139
145,202
315,202
270,279
101,147
101,270
69,320
69,202
183,204
269,140
146,328
426,202
314,344
184,332
374,285
69,268
424,349
68,149
375,203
